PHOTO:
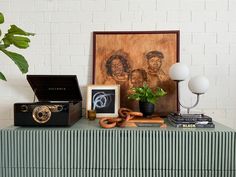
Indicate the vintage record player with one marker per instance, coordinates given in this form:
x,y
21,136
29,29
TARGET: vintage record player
x,y
59,102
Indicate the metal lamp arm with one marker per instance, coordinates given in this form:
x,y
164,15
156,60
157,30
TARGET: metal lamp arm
x,y
190,107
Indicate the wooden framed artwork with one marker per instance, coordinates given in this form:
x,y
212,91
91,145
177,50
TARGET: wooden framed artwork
x,y
105,99
130,59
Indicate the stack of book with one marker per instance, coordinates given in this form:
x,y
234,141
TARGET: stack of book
x,y
152,121
190,120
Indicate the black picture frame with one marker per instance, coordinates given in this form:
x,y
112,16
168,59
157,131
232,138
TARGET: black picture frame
x,y
105,99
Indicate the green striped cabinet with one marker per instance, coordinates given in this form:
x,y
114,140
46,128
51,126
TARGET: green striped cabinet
x,y
85,150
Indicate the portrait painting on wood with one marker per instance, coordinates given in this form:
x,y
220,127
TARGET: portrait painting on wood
x,y
130,59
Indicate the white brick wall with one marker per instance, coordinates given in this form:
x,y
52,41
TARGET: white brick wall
x,y
63,44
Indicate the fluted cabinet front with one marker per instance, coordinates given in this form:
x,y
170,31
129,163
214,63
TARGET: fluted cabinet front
x,y
117,152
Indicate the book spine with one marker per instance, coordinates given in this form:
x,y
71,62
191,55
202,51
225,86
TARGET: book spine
x,y
190,122
195,125
191,125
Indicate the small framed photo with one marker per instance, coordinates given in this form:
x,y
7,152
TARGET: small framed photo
x,y
105,99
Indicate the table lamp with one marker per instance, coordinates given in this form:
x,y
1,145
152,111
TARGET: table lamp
x,y
197,85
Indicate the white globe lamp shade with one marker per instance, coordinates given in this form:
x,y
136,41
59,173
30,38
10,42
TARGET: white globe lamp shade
x,y
178,72
198,84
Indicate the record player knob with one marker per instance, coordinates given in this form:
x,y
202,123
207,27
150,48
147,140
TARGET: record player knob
x,y
41,114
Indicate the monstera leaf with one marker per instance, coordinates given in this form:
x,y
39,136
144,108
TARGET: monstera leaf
x,y
18,38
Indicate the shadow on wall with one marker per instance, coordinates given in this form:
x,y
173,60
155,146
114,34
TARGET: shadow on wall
x,y
19,90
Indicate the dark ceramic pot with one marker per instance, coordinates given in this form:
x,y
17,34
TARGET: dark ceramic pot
x,y
146,108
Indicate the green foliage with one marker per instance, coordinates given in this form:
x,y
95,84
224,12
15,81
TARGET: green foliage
x,y
1,18
18,38
18,59
1,21
2,76
145,94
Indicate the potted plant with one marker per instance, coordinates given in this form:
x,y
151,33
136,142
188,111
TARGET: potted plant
x,y
146,97
18,38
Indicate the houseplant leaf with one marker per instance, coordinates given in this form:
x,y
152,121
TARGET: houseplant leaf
x,y
18,31
15,36
1,21
160,92
145,94
21,42
18,59
1,18
6,42
2,77
19,38
152,99
18,41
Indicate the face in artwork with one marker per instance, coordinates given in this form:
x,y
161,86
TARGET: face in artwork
x,y
155,63
117,67
138,77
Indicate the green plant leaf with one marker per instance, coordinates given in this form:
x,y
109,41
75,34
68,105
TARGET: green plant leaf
x,y
6,42
18,31
1,18
21,42
152,100
1,21
15,36
2,77
19,60
18,41
134,96
160,92
146,94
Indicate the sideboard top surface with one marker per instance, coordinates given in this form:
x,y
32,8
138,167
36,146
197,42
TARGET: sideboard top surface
x,y
85,124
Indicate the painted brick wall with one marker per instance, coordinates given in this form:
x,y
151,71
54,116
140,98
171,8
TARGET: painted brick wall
x,y
63,44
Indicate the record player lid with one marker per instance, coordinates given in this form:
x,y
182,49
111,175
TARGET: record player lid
x,y
55,87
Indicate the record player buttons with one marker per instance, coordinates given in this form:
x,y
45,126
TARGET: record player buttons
x,y
59,107
23,108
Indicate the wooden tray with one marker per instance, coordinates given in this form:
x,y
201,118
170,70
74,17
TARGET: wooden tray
x,y
146,122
